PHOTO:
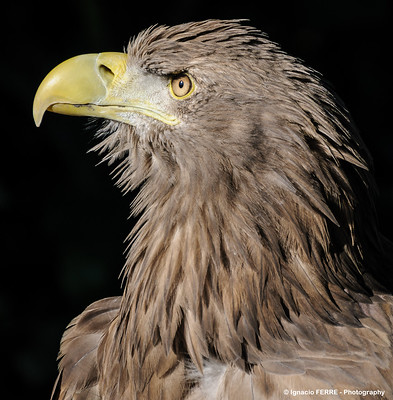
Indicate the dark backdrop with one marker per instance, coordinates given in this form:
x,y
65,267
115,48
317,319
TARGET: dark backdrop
x,y
63,221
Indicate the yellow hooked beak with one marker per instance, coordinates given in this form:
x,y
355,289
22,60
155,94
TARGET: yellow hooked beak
x,y
96,85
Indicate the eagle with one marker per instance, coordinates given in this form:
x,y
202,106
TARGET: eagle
x,y
256,269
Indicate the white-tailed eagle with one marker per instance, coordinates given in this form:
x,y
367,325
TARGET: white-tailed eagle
x,y
256,270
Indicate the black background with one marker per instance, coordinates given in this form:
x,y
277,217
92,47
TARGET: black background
x,y
63,222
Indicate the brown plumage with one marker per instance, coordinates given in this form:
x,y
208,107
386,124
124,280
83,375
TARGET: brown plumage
x,y
256,265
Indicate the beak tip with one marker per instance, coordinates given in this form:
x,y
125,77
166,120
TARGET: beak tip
x,y
37,115
37,120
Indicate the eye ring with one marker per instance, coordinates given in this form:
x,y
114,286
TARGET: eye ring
x,y
181,86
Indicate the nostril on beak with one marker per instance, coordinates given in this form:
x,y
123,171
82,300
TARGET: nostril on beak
x,y
110,66
106,73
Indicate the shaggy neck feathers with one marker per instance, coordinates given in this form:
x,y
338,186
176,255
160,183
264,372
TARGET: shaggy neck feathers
x,y
213,258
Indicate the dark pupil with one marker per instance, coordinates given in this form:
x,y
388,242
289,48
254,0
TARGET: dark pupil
x,y
181,84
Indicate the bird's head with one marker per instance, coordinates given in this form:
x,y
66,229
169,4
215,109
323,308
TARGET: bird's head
x,y
211,92
208,91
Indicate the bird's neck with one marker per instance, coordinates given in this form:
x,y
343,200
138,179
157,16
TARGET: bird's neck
x,y
180,239
188,254
207,263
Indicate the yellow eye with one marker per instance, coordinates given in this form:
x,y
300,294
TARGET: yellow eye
x,y
181,86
